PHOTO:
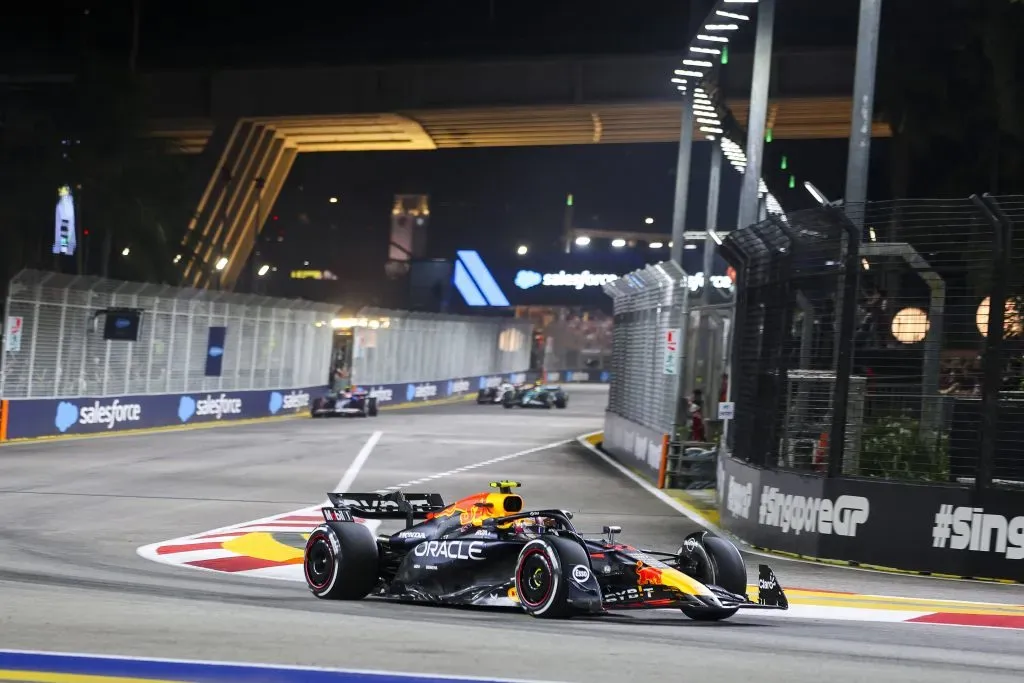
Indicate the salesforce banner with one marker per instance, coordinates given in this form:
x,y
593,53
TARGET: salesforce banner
x,y
32,418
419,392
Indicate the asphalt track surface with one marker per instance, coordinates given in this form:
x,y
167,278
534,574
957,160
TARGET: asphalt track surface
x,y
74,513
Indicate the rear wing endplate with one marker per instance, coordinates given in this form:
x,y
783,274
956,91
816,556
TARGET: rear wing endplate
x,y
395,505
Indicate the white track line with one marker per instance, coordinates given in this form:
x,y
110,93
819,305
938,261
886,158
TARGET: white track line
x,y
353,470
746,547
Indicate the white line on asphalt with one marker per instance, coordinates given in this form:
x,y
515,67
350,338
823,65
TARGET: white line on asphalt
x,y
357,464
458,470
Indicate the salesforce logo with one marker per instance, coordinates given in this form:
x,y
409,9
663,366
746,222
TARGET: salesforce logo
x,y
294,400
108,415
424,391
216,351
218,407
457,386
528,278
382,394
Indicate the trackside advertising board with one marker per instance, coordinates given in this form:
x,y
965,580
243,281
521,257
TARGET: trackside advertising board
x,y
35,418
900,525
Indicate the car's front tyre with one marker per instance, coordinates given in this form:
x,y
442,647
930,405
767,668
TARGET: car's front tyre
x,y
340,561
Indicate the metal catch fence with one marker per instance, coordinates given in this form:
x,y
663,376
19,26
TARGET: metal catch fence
x,y
59,349
424,347
881,313
649,322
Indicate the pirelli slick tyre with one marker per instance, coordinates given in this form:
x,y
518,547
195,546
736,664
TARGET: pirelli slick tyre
x,y
719,564
371,406
540,584
340,561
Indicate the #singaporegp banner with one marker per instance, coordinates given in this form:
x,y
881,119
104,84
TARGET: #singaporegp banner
x,y
562,279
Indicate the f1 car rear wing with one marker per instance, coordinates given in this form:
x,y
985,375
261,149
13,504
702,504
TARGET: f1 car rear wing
x,y
395,505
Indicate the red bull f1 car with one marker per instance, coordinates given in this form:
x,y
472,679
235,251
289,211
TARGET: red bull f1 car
x,y
486,550
349,402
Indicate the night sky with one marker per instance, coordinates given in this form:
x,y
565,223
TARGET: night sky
x,y
481,196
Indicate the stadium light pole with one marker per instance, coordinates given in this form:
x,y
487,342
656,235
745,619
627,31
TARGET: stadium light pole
x,y
683,161
862,117
758,117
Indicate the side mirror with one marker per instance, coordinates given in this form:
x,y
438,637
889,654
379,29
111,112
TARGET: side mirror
x,y
610,532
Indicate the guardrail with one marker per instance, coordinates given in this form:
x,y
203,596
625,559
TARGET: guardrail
x,y
886,524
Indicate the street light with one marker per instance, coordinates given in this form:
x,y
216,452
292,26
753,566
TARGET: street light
x,y
263,270
521,250
221,263
582,241
619,243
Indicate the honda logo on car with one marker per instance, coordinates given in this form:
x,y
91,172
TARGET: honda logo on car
x,y
220,406
803,513
739,497
970,528
452,550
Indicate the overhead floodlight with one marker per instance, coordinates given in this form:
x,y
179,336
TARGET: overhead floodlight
x,y
125,251
222,262
264,269
695,74
582,241
521,250
679,80
708,129
649,221
712,39
732,15
711,122
720,27
696,62
177,258
816,193
705,50
656,245
619,243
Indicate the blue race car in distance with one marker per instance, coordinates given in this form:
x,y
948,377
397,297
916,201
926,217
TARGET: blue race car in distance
x,y
349,402
536,396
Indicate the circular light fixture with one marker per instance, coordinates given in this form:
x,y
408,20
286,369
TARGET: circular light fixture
x,y
126,251
656,245
619,243
1012,323
910,325
334,200
582,241
521,250
649,221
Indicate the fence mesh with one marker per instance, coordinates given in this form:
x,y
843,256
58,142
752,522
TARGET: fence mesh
x,y
426,347
649,304
924,272
60,350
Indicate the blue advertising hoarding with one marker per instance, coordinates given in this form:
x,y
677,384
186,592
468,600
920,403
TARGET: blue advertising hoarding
x,y
39,418
215,351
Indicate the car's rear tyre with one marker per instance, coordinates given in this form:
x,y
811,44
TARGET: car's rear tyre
x,y
340,561
540,586
371,406
561,401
